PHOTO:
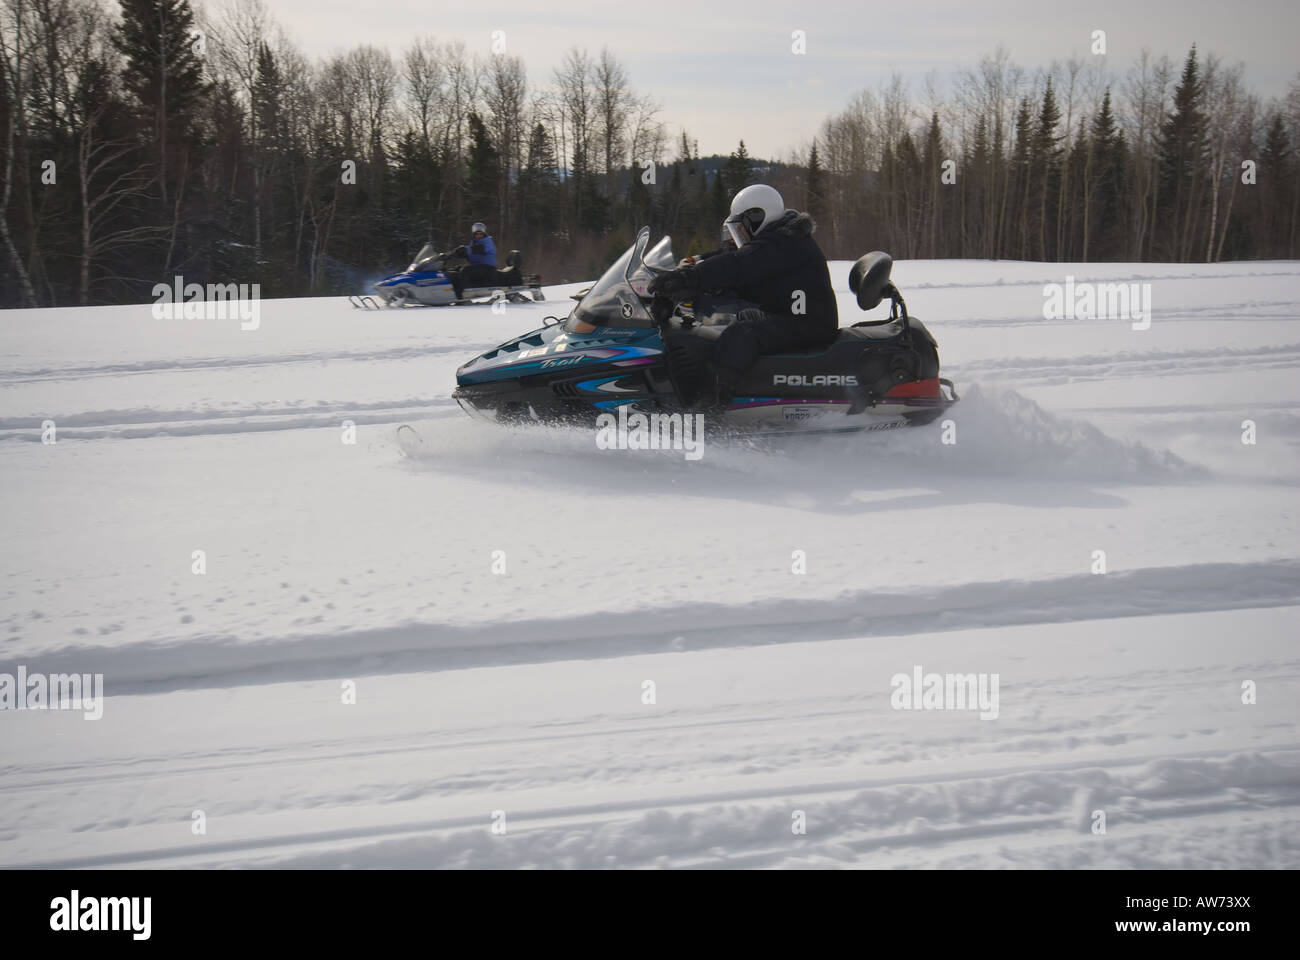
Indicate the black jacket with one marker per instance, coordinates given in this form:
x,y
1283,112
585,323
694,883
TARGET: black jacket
x,y
783,258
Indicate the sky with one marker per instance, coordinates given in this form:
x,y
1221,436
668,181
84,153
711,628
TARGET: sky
x,y
725,70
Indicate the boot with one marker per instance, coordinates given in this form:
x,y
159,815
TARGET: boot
x,y
719,388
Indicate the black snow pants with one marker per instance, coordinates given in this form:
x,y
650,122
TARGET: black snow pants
x,y
756,333
473,275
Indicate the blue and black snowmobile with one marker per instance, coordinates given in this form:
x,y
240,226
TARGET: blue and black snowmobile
x,y
621,347
427,283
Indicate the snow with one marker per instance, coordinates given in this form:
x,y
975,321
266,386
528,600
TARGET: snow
x,y
523,692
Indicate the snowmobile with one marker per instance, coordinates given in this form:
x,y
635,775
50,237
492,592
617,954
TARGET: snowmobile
x,y
621,347
426,283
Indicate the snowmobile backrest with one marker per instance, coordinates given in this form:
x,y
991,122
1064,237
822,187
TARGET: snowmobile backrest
x,y
869,278
513,259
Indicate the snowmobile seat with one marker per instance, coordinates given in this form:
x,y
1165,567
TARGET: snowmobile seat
x,y
869,279
512,274
875,331
858,351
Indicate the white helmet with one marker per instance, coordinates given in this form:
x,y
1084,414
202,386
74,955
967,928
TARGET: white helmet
x,y
478,228
752,210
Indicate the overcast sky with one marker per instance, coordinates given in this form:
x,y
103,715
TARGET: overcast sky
x,y
724,69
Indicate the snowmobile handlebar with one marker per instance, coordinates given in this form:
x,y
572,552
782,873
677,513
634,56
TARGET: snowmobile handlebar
x,y
662,307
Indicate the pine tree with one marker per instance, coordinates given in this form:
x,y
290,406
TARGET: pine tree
x,y
266,132
1020,183
1182,147
910,179
976,190
814,192
1073,193
674,196
702,222
932,193
591,208
1276,183
163,72
417,180
738,172
1045,167
484,169
539,183
1105,184
719,200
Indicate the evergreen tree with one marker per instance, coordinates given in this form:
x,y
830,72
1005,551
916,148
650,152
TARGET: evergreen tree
x,y
719,203
815,189
1182,149
1106,184
590,206
1045,168
1020,184
1277,184
417,180
673,200
976,190
481,178
738,172
163,72
931,215
910,178
539,183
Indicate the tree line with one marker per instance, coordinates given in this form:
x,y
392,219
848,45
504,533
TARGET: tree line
x,y
145,139
1067,164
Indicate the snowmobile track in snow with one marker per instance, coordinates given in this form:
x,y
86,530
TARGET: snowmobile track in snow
x,y
223,661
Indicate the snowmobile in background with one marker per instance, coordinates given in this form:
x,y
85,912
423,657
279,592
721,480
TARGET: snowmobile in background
x,y
621,347
426,283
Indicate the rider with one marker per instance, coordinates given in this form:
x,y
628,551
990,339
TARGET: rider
x,y
481,253
778,268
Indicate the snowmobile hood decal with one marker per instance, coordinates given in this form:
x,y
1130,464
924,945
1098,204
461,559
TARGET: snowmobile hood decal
x,y
551,357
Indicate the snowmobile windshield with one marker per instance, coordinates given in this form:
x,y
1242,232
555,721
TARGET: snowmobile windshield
x,y
613,300
422,259
657,259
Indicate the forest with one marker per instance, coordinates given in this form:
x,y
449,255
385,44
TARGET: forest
x,y
146,139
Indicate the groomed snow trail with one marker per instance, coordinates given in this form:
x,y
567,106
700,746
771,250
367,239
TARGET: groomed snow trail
x,y
518,696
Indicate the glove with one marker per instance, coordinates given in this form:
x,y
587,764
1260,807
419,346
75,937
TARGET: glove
x,y
460,252
677,282
661,308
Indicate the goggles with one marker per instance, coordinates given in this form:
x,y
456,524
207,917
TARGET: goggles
x,y
743,226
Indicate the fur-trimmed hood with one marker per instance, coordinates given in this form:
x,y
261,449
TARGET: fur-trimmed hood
x,y
794,224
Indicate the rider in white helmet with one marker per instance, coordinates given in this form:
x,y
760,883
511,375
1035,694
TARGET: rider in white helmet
x,y
752,210
777,268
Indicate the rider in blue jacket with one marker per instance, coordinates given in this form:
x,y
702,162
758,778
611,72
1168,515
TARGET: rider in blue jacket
x,y
481,253
480,250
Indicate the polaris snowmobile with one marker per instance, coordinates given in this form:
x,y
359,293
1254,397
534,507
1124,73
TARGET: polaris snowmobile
x,y
426,283
621,347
